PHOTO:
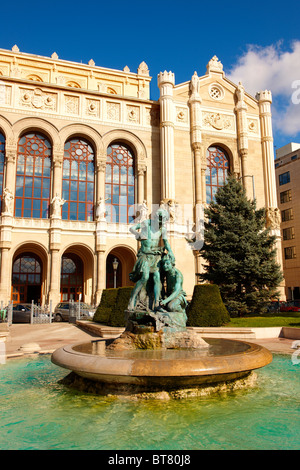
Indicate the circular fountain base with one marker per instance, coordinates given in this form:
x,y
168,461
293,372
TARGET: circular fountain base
x,y
225,364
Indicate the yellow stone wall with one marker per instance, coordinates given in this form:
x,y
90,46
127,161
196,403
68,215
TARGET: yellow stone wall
x,y
63,99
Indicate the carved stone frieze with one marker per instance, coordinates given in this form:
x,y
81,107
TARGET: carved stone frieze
x,y
217,121
113,111
71,104
38,99
92,107
133,113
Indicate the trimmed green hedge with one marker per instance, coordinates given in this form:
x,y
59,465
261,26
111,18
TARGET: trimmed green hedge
x,y
206,307
112,306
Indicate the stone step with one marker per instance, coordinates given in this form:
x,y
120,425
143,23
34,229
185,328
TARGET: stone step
x,y
222,332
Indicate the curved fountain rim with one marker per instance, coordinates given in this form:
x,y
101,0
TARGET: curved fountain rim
x,y
253,358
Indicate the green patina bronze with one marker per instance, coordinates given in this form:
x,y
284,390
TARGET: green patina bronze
x,y
158,299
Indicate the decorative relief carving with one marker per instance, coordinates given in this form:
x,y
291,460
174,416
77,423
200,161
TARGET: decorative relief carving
x,y
273,218
92,107
252,125
181,115
113,111
218,121
38,99
71,104
5,94
133,114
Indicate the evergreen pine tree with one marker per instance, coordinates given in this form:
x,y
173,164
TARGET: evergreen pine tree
x,y
239,251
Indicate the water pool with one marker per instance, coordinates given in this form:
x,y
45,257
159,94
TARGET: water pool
x,y
38,413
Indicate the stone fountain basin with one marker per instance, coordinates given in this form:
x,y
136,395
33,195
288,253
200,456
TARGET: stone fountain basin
x,y
223,360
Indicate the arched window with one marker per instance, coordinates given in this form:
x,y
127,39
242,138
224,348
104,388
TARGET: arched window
x,y
27,278
78,180
33,177
119,184
2,156
216,171
71,277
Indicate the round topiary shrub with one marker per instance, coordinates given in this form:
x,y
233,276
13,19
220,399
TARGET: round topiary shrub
x,y
206,307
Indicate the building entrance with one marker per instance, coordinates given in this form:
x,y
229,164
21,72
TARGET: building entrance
x,y
71,278
27,278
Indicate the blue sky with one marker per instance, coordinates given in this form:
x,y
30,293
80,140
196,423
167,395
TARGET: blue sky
x,y
257,42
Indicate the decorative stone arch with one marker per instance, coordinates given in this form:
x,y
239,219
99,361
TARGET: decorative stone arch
x,y
87,256
42,126
126,257
232,157
6,129
34,77
39,250
85,132
126,137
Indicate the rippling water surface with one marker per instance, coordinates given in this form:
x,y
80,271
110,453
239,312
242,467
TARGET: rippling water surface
x,y
38,413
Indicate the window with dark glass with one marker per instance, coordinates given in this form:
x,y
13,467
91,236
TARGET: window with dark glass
x,y
288,233
284,178
119,184
33,177
216,171
290,252
2,156
287,214
26,278
285,196
78,180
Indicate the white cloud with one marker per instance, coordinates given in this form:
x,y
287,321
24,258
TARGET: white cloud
x,y
278,70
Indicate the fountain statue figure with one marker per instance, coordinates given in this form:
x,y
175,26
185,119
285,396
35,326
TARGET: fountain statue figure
x,y
158,297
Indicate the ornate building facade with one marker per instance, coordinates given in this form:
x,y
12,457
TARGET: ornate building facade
x,y
85,152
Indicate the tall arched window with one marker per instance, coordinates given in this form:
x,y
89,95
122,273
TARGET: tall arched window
x,y
78,180
216,171
33,177
2,156
119,184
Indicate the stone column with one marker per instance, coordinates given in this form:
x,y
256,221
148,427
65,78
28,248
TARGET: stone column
x,y
101,274
166,82
7,213
141,171
5,275
264,101
100,178
57,173
242,137
56,228
196,137
55,269
272,211
10,163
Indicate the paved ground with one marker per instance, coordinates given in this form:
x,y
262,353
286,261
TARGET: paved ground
x,y
48,337
52,336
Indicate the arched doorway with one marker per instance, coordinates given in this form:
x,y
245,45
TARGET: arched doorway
x,y
71,285
27,278
126,259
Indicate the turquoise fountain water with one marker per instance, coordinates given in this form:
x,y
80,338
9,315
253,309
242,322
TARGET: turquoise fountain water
x,y
39,413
